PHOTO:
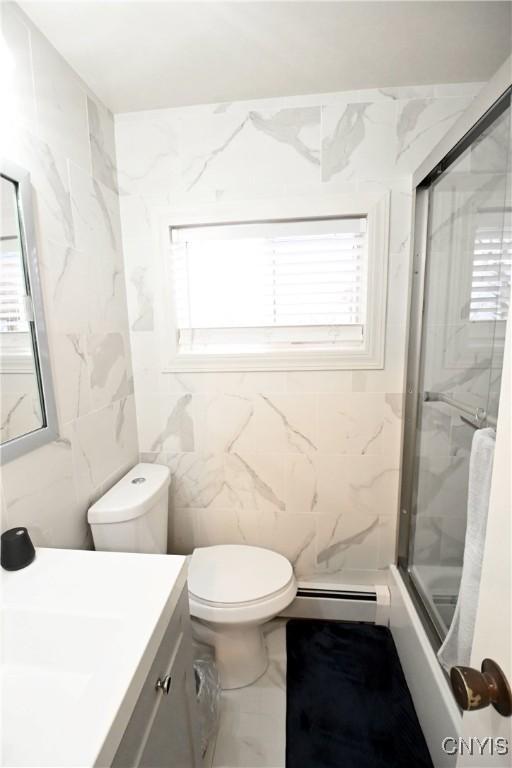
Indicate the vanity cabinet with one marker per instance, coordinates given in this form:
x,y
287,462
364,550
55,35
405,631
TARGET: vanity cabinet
x,y
163,731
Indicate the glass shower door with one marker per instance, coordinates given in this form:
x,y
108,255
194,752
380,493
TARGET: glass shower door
x,y
465,309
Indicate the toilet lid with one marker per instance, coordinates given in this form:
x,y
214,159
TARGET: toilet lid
x,y
231,573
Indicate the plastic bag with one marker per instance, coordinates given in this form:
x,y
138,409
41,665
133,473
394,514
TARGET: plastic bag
x,y
208,693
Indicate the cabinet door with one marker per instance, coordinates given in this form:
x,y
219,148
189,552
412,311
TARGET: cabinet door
x,y
172,740
163,731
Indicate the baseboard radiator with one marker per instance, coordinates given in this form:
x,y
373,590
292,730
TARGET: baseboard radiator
x,y
340,603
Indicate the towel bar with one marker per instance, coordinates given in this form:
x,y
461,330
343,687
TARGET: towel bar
x,y
478,415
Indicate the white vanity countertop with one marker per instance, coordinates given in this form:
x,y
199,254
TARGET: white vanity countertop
x,y
80,630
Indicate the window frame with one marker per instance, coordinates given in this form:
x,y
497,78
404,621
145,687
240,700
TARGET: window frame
x,y
368,356
49,430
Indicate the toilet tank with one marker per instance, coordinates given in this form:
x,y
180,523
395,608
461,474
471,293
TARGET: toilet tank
x,y
132,516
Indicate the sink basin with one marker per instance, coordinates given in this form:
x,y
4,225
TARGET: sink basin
x,y
47,658
76,629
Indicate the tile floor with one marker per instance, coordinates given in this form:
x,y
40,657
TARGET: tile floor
x,y
252,727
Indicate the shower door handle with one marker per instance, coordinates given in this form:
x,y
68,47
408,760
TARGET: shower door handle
x,y
476,690
164,684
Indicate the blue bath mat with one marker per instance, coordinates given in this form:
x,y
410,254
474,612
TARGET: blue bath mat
x,y
348,705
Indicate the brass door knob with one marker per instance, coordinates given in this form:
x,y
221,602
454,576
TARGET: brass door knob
x,y
476,690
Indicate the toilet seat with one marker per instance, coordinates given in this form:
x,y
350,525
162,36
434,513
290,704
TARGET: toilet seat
x,y
229,583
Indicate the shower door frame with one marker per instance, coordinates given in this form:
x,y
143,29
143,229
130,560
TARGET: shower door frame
x,y
499,101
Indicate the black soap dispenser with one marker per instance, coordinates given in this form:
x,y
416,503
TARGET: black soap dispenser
x,y
17,550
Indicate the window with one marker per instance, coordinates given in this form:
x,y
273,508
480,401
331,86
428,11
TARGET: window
x,y
12,289
490,278
285,293
15,305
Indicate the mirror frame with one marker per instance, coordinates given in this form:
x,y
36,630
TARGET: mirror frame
x,y
49,431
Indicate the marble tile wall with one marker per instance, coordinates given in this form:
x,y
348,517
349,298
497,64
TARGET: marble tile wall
x,y
306,463
58,130
20,407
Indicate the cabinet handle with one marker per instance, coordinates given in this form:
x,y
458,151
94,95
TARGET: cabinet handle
x,y
163,684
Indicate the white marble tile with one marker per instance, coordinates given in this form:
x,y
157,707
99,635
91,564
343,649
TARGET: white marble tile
x,y
136,219
198,480
357,485
292,536
348,541
397,93
421,123
140,297
181,536
434,433
51,488
318,381
249,740
252,728
141,269
373,484
147,147
125,433
224,419
149,421
401,215
358,141
281,423
17,69
61,102
301,483
354,542
453,537
172,423
457,90
443,485
268,694
71,376
455,365
275,639
50,185
255,481
98,234
397,314
95,213
360,423
213,481
20,407
491,155
103,442
145,352
427,540
39,493
70,288
102,144
226,526
250,150
228,383
388,542
109,374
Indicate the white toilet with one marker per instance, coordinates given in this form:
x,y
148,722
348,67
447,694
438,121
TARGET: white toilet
x,y
233,589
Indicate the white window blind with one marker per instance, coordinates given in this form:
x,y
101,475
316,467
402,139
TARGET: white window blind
x,y
12,288
491,273
270,283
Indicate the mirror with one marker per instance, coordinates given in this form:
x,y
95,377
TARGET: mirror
x,y
27,406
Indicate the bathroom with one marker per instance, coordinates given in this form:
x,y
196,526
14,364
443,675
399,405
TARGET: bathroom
x,y
255,423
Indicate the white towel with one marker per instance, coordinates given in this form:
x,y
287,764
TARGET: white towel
x,y
456,649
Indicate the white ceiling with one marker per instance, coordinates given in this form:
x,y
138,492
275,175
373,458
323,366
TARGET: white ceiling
x,y
145,55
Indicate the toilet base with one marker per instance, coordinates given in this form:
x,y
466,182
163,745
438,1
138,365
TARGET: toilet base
x,y
240,651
